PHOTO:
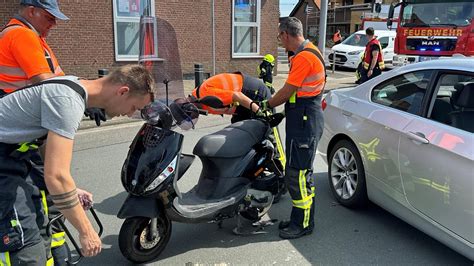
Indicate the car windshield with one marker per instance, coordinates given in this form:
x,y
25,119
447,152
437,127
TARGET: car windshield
x,y
356,39
438,14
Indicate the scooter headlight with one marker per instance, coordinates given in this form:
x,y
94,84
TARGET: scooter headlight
x,y
171,168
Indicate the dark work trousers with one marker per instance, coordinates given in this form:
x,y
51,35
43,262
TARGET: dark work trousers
x,y
55,243
21,212
304,127
377,71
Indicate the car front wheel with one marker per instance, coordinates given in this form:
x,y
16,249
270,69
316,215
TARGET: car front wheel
x,y
346,175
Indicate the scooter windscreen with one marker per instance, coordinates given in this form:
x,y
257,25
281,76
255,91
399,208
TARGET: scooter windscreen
x,y
184,113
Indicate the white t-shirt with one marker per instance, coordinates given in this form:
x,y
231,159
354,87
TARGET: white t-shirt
x,y
30,113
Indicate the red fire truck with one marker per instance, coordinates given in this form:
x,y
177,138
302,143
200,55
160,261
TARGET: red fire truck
x,y
377,23
430,29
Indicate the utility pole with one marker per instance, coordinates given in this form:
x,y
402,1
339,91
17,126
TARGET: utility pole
x,y
322,26
306,11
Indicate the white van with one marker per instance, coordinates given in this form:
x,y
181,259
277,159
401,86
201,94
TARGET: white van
x,y
349,52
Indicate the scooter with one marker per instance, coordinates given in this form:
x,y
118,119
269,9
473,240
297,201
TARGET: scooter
x,y
239,177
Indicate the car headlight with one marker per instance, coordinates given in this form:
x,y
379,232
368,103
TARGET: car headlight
x,y
355,52
163,176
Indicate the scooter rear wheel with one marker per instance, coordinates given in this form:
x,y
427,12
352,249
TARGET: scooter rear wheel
x,y
134,243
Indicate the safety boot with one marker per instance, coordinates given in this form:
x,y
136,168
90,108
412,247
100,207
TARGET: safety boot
x,y
293,231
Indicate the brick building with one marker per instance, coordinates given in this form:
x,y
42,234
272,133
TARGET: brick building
x,y
104,34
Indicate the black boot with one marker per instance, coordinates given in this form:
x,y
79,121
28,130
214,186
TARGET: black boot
x,y
294,228
293,231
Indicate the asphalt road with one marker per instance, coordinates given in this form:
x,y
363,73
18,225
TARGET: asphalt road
x,y
341,236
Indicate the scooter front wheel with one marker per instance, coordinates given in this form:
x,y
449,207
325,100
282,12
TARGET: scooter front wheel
x,y
136,242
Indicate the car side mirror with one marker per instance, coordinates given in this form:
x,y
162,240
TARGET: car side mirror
x,y
391,11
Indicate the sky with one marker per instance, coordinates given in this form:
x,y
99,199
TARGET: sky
x,y
286,6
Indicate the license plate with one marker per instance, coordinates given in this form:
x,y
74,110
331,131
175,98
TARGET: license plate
x,y
428,58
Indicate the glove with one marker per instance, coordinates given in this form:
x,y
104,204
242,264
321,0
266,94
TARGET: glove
x,y
263,106
96,114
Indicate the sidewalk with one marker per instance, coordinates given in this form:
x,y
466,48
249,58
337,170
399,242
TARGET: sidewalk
x,y
334,81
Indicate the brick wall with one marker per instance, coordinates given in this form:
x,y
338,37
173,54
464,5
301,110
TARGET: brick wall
x,y
85,43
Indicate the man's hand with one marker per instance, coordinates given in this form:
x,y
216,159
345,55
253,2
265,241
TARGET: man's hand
x,y
370,72
85,198
91,244
96,114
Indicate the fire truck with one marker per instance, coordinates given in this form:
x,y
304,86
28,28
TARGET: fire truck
x,y
377,23
431,29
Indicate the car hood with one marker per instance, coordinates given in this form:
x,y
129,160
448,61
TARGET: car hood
x,y
347,48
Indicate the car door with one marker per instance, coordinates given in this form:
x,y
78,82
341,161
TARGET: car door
x,y
401,98
437,159
387,50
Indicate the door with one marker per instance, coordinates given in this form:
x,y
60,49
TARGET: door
x,y
437,159
402,97
387,49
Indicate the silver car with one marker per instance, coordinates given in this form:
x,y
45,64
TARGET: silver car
x,y
404,140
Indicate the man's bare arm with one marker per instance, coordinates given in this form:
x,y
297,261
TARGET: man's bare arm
x,y
243,100
375,55
282,95
41,77
61,186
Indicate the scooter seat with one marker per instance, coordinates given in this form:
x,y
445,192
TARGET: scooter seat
x,y
233,141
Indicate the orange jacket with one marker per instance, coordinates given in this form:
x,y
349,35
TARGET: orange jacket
x,y
221,86
307,72
23,54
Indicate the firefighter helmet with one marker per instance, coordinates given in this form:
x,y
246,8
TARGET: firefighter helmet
x,y
269,58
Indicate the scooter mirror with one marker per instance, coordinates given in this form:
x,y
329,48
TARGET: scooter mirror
x,y
157,112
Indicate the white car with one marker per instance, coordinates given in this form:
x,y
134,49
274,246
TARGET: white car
x,y
405,141
349,52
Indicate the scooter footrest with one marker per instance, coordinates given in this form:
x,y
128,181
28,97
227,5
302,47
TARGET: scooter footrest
x,y
191,206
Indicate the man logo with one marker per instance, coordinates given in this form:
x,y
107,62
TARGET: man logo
x,y
430,43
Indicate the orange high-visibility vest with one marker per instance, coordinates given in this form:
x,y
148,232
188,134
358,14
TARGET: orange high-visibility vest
x,y
307,72
23,54
221,86
368,54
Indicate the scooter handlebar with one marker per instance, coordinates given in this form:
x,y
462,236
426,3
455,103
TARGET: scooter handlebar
x,y
203,112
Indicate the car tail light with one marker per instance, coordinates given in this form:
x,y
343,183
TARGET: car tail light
x,y
323,103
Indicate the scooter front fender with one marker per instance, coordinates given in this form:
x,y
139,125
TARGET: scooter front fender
x,y
139,206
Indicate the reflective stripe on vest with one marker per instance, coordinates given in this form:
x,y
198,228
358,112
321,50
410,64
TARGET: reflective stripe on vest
x,y
12,71
368,55
5,259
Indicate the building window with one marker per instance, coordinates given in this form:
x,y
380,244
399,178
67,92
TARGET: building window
x,y
127,27
246,28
